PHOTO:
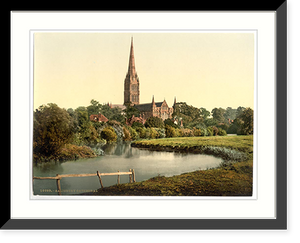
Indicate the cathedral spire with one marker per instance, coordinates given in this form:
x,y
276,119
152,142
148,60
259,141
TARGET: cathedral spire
x,y
131,83
153,103
131,66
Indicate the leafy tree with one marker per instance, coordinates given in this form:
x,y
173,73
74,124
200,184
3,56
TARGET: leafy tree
x,y
188,113
94,108
170,131
154,122
170,122
218,114
52,129
130,111
239,111
109,134
230,113
204,113
247,124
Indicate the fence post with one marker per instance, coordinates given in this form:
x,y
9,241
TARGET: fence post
x,y
58,185
98,174
118,178
133,175
130,176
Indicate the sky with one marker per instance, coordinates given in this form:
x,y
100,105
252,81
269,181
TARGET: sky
x,y
202,69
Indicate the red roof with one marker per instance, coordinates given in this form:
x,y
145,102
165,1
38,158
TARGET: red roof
x,y
98,118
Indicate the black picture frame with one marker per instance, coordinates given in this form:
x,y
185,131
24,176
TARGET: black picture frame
x,y
280,222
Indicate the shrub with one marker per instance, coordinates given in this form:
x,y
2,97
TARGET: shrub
x,y
153,133
161,132
109,135
215,130
154,122
134,135
170,131
127,136
210,131
197,132
187,132
222,132
141,131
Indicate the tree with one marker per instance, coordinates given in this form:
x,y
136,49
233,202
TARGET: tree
x,y
170,131
154,122
109,134
247,124
188,113
218,114
52,129
94,108
131,111
204,113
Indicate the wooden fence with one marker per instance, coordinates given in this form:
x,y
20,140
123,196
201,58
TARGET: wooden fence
x,y
58,177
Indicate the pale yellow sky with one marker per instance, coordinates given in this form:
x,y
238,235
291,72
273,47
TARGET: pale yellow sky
x,y
203,69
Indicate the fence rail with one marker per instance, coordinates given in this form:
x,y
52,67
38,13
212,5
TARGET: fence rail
x,y
58,177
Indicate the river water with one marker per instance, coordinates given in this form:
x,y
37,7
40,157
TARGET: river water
x,y
122,157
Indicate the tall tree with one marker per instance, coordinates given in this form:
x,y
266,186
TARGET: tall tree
x,y
52,128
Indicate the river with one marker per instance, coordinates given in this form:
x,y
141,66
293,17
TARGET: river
x,y
122,157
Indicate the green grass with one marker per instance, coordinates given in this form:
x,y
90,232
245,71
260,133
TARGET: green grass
x,y
240,143
229,179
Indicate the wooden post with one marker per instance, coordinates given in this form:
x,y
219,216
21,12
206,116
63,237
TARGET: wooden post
x,y
58,185
98,174
133,175
130,176
118,178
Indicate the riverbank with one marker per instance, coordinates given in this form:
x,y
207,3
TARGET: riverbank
x,y
233,178
68,152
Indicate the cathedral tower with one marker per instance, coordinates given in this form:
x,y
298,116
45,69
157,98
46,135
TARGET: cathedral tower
x,y
131,83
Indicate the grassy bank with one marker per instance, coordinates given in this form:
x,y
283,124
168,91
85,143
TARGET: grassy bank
x,y
229,179
68,152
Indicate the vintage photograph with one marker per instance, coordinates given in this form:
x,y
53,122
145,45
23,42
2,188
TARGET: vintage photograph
x,y
143,113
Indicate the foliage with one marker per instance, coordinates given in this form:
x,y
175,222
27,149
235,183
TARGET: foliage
x,y
161,132
127,136
131,111
73,152
133,134
221,132
197,132
154,122
170,131
109,134
52,129
137,124
247,124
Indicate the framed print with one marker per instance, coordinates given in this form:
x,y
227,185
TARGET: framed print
x,y
168,122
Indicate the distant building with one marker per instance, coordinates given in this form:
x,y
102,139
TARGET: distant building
x,y
98,118
132,96
157,109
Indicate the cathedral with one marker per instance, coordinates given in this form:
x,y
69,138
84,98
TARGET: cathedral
x,y
132,95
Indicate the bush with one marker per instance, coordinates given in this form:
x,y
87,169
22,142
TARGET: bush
x,y
153,133
161,132
187,132
210,131
133,134
109,135
222,132
197,132
154,122
170,131
141,131
127,136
